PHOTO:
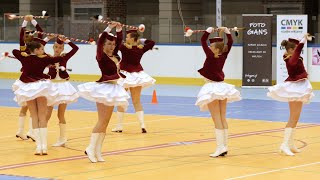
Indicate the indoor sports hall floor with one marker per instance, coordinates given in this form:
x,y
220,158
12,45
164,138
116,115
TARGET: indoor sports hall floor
x,y
177,145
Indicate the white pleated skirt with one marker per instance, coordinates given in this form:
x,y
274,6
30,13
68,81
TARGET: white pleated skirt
x,y
292,91
66,93
29,91
107,93
216,91
136,79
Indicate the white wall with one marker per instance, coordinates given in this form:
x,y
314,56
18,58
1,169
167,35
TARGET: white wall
x,y
168,61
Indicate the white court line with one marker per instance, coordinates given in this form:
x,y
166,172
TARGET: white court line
x,y
90,127
163,119
4,137
128,123
272,171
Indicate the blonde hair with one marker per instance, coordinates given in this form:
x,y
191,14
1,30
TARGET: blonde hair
x,y
220,45
27,38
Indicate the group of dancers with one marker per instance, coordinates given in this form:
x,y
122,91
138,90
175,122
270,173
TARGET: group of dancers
x,y
40,91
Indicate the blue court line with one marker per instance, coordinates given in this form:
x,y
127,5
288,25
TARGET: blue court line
x,y
254,109
14,177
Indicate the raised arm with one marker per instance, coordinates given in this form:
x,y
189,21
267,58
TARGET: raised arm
x,y
36,25
46,39
296,54
75,48
204,43
230,40
119,39
102,39
100,44
22,32
148,44
17,54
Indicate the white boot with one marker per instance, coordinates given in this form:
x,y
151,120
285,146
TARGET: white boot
x,y
226,139
284,148
140,115
30,134
293,148
90,150
44,139
220,149
20,131
99,147
37,136
118,127
62,138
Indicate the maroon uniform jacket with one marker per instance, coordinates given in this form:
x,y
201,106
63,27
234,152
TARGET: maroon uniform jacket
x,y
294,64
23,46
131,56
212,67
33,65
108,67
66,57
39,38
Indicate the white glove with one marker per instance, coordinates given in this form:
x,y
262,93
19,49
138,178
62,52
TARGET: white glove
x,y
303,40
46,70
46,39
62,68
209,30
118,29
24,23
67,41
143,40
34,22
227,31
108,29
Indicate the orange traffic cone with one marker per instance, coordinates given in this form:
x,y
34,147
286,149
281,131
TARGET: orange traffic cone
x,y
154,98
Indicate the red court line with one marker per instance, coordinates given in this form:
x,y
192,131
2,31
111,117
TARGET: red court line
x,y
158,146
